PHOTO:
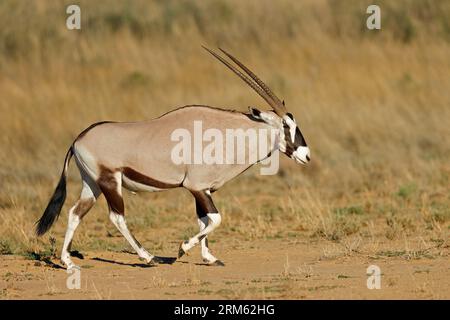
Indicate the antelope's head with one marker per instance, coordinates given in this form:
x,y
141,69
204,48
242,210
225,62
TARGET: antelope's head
x,y
291,141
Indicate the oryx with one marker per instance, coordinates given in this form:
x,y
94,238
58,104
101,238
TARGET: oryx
x,y
137,156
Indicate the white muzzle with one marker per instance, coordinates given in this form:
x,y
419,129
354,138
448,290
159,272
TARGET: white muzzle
x,y
302,155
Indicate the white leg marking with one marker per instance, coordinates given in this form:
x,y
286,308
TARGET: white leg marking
x,y
119,221
74,221
214,222
206,255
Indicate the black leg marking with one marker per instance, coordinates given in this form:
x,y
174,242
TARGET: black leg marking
x,y
203,203
217,263
181,252
203,206
137,242
108,185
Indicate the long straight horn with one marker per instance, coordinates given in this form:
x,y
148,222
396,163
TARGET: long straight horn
x,y
263,86
247,80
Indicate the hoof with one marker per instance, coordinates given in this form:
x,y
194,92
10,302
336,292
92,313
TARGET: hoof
x,y
216,263
150,263
69,265
181,251
72,267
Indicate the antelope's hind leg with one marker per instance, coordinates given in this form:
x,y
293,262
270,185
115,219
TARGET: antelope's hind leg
x,y
89,194
208,220
111,185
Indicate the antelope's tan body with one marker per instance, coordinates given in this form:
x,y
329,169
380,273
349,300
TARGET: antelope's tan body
x,y
146,147
139,157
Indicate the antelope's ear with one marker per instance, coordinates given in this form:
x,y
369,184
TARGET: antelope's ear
x,y
267,117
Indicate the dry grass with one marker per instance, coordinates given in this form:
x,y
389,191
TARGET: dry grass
x,y
374,107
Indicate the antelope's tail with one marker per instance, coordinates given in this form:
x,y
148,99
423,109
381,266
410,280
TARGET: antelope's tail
x,y
55,204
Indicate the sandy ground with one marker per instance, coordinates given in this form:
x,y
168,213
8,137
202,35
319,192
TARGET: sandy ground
x,y
268,269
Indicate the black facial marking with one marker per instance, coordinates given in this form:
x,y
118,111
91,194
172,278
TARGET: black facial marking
x,y
299,140
256,112
287,138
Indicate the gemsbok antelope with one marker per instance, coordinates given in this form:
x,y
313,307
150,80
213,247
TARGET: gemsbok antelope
x,y
137,156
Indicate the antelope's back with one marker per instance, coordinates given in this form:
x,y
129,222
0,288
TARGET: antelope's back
x,y
147,146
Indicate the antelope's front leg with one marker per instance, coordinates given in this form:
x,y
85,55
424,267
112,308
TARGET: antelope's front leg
x,y
208,220
213,223
206,254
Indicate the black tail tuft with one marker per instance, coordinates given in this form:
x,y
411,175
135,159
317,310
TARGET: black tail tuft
x,y
53,209
56,203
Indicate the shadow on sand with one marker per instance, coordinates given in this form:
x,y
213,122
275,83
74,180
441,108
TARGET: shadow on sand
x,y
156,260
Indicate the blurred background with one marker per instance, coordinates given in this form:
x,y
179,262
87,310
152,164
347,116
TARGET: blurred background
x,y
374,106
